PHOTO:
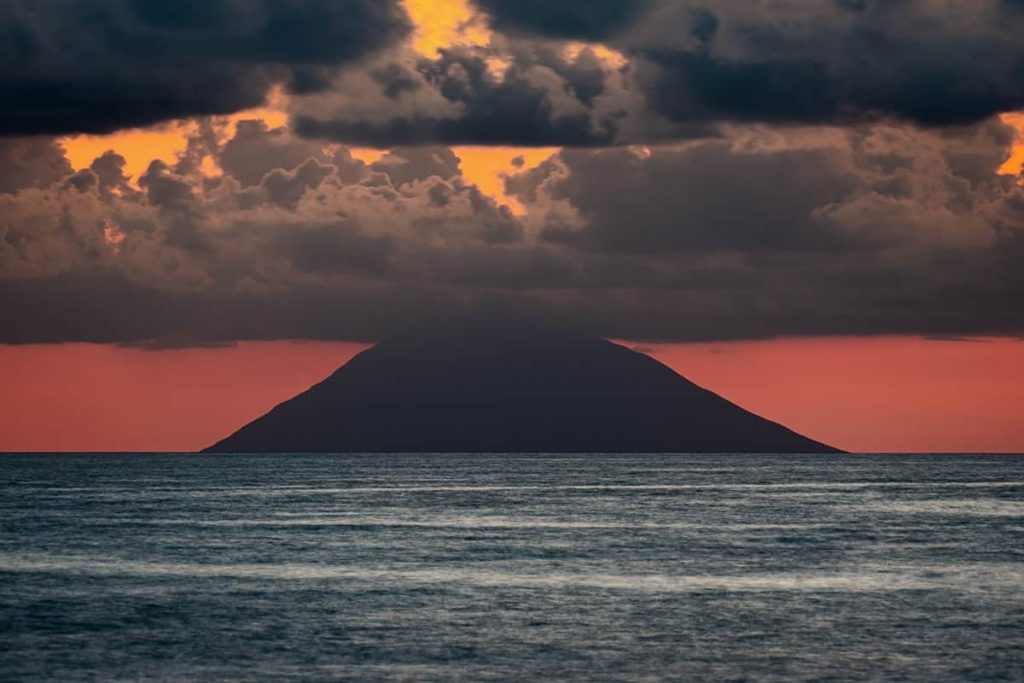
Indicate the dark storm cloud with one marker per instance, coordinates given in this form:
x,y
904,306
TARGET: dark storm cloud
x,y
71,66
687,86
99,65
930,62
685,68
532,96
106,307
593,20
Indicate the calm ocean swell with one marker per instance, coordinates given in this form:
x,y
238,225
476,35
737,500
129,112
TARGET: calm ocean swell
x,y
511,567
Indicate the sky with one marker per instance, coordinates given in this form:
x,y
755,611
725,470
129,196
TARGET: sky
x,y
815,209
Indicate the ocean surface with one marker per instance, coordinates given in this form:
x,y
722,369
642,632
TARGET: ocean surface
x,y
511,567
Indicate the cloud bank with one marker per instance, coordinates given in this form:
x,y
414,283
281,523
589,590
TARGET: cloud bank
x,y
682,68
73,66
726,170
878,229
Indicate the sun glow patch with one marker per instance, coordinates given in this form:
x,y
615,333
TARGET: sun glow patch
x,y
443,24
1015,163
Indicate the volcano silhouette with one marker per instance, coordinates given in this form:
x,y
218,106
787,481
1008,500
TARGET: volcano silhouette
x,y
501,389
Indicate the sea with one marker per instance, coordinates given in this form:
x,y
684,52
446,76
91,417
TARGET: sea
x,y
461,567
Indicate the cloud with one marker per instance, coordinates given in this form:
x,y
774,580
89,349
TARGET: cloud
x,y
595,20
682,69
879,230
312,239
824,61
523,93
761,232
72,66
31,162
730,170
679,68
930,62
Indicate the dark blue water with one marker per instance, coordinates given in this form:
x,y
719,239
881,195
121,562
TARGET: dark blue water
x,y
479,568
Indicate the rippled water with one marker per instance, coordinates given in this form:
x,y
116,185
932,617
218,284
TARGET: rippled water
x,y
477,568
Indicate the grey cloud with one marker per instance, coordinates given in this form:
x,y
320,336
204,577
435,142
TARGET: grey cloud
x,y
31,162
594,20
165,190
184,252
690,67
286,188
721,239
395,79
531,94
336,248
110,175
878,229
705,197
405,165
99,65
925,61
256,150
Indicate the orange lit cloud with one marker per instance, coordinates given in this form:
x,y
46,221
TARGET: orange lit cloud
x,y
1015,164
440,24
164,142
613,58
437,25
482,166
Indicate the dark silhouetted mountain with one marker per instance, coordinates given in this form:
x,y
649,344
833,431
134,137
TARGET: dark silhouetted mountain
x,y
500,388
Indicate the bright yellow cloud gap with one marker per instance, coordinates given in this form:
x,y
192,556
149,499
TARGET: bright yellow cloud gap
x,y
1015,164
138,146
487,166
165,142
440,24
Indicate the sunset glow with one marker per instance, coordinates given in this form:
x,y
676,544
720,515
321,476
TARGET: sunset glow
x,y
1015,164
891,394
87,397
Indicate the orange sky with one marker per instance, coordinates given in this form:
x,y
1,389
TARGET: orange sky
x,y
90,397
896,394
884,394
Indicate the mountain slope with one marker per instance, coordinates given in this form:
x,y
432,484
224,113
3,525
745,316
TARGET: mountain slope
x,y
480,389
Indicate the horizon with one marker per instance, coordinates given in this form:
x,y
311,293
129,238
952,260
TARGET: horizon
x,y
269,373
